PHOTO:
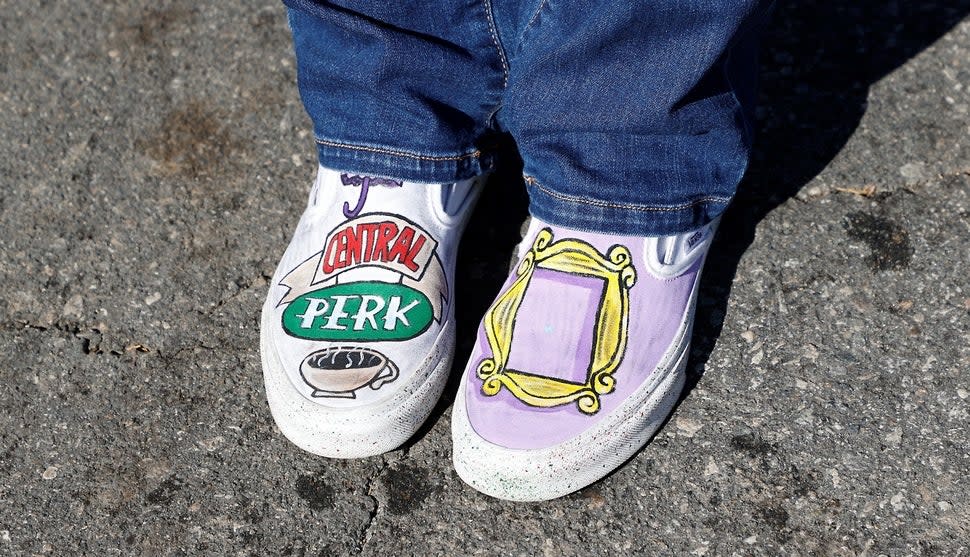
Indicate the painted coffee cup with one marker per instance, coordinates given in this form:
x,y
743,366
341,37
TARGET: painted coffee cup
x,y
340,371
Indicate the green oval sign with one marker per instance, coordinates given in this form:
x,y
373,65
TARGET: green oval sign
x,y
359,311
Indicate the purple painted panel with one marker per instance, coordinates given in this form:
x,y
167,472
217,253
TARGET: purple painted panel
x,y
553,335
657,308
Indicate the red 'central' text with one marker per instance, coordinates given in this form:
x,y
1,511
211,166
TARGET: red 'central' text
x,y
373,242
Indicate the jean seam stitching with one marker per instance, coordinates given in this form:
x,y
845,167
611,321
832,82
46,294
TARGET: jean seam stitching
x,y
532,21
381,150
646,208
493,31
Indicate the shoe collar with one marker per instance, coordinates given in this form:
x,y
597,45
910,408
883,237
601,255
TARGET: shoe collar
x,y
670,256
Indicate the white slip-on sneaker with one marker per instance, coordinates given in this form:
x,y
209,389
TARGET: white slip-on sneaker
x,y
578,361
357,332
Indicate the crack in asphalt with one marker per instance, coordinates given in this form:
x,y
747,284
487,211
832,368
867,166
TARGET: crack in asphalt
x,y
365,536
241,288
92,338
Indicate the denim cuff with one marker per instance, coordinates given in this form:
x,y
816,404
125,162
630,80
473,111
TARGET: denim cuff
x,y
595,215
403,164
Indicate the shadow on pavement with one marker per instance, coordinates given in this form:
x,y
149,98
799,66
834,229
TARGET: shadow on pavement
x,y
818,61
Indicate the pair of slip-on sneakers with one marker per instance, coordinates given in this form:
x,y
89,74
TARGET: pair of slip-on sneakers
x,y
577,362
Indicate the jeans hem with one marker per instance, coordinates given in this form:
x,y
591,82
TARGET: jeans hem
x,y
400,163
594,215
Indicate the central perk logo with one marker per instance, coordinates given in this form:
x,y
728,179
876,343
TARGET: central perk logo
x,y
360,311
332,298
323,304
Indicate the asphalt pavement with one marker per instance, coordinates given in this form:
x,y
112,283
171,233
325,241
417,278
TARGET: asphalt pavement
x,y
154,157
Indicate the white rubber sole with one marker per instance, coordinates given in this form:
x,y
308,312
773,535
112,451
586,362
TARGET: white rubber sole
x,y
363,431
544,474
541,475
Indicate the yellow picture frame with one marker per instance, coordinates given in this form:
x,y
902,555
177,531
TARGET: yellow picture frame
x,y
576,257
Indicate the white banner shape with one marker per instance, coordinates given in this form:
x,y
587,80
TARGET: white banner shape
x,y
374,240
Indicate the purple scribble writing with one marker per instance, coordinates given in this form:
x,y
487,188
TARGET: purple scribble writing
x,y
365,182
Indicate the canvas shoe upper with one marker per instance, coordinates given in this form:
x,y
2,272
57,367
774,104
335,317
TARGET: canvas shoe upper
x,y
357,329
577,361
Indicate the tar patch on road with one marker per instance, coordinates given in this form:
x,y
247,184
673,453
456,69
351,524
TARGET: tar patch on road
x,y
193,141
888,242
315,492
165,492
752,445
407,487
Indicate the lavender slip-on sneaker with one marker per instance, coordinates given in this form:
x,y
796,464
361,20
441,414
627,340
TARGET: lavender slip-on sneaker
x,y
578,361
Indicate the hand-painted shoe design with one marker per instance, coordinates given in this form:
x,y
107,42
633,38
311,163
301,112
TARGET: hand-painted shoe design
x,y
357,331
578,361
575,264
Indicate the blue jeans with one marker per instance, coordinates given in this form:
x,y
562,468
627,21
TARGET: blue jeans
x,y
630,116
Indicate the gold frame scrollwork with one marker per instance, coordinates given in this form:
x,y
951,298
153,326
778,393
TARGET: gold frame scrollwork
x,y
609,337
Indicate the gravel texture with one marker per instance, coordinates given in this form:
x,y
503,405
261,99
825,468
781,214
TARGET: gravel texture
x,y
154,157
